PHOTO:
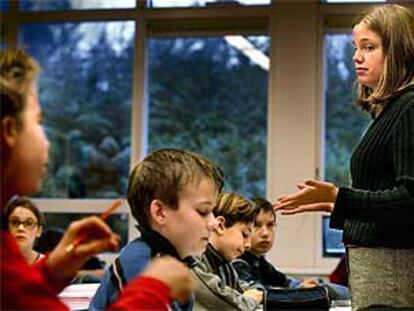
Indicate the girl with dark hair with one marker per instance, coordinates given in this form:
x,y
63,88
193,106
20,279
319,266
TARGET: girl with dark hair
x,y
25,223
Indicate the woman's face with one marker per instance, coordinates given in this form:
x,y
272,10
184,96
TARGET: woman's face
x,y
368,57
24,227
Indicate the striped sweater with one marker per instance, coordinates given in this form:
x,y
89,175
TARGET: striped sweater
x,y
378,210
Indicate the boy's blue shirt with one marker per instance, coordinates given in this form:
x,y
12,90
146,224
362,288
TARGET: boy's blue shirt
x,y
133,259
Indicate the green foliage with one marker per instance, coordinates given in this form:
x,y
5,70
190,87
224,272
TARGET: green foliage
x,y
86,99
204,96
213,101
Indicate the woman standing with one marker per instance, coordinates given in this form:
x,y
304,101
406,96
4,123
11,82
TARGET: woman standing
x,y
377,212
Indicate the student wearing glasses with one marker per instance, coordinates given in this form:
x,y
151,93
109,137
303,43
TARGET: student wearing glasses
x,y
25,223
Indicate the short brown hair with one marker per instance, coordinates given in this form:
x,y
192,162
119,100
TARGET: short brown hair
x,y
162,175
18,73
394,24
235,208
24,202
264,205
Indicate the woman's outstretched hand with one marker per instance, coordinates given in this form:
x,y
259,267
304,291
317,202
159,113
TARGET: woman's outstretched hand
x,y
312,196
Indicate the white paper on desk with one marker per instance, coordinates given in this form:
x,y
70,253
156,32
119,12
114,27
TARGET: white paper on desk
x,y
78,296
340,309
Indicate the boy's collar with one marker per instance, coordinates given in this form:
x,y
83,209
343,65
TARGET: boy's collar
x,y
214,257
159,245
222,267
248,255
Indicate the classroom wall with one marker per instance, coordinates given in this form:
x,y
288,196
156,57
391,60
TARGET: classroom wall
x,y
295,92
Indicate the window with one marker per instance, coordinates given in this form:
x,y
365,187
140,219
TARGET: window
x,y
344,122
195,3
4,5
40,5
60,221
85,89
332,240
207,96
85,92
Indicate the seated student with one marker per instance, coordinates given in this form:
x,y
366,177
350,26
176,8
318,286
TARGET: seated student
x,y
24,157
171,194
25,223
253,267
218,286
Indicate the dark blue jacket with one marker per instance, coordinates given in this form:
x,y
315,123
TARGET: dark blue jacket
x,y
131,262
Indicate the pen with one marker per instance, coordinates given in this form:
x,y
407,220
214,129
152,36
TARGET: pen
x,y
103,216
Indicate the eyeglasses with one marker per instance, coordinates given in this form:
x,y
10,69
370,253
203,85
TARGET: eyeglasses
x,y
28,224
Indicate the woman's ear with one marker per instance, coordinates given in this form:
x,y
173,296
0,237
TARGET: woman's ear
x,y
9,131
157,212
221,221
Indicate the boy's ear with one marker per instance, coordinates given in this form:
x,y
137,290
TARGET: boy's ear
x,y
9,131
221,221
158,212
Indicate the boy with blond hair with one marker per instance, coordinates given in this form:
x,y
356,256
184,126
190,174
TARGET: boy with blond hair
x,y
218,285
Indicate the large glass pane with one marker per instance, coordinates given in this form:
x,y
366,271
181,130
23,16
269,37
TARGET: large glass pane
x,y
43,5
332,240
4,5
59,222
344,122
209,96
85,92
197,3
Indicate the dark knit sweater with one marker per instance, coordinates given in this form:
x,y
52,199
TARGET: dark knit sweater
x,y
258,271
379,208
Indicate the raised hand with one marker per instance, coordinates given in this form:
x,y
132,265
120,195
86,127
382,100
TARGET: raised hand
x,y
98,237
313,195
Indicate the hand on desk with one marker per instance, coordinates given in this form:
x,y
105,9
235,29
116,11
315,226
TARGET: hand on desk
x,y
309,283
255,294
